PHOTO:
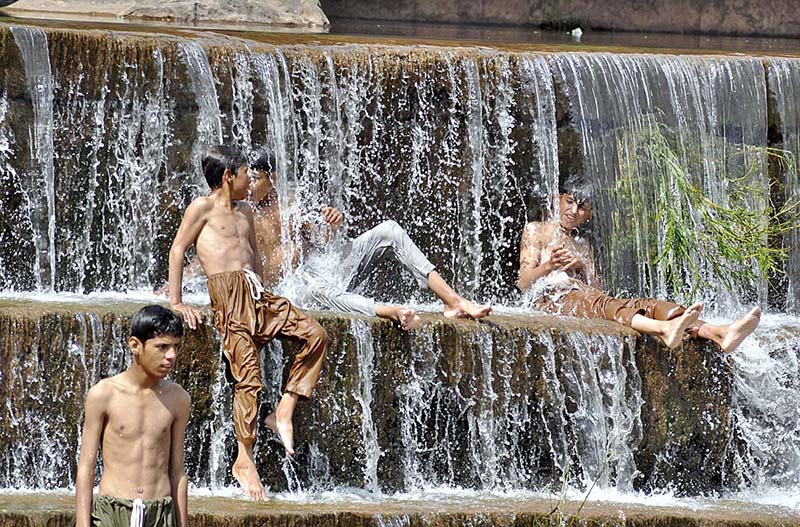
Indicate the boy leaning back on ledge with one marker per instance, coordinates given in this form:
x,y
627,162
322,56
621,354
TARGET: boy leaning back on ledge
x,y
139,420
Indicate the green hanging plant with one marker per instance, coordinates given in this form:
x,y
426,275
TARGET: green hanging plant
x,y
701,240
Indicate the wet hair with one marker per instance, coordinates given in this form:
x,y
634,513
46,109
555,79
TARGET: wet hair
x,y
581,192
154,321
218,159
262,159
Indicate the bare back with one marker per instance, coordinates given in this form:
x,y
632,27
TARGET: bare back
x,y
136,438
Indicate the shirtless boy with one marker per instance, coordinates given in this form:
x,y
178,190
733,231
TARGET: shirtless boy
x,y
333,288
139,419
220,226
557,266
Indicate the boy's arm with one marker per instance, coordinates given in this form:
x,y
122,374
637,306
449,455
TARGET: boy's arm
x,y
191,225
258,266
531,268
94,419
178,480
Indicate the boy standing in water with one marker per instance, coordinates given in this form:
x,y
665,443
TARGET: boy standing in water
x,y
220,226
139,419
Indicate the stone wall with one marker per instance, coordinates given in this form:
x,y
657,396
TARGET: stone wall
x,y
729,17
509,403
272,12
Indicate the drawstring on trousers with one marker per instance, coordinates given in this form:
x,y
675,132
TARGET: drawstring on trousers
x,y
137,513
256,289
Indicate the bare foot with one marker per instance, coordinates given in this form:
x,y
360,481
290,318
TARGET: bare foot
x,y
676,328
463,308
246,474
284,429
408,318
738,330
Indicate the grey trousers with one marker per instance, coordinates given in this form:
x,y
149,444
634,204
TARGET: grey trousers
x,y
333,288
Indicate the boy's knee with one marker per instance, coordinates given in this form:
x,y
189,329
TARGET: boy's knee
x,y
389,229
318,334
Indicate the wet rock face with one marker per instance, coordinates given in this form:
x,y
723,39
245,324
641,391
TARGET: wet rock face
x,y
273,12
508,404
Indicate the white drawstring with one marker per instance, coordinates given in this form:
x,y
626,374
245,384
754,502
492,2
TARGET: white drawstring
x,y
255,284
137,513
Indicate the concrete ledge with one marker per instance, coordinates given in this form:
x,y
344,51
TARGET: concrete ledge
x,y
304,13
56,510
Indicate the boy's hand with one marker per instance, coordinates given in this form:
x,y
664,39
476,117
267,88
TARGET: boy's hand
x,y
332,217
575,262
558,258
191,315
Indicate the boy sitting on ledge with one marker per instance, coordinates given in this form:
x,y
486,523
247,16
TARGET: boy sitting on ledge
x,y
557,266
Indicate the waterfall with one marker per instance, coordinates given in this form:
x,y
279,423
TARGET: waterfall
x,y
85,350
714,112
767,418
39,181
461,147
366,355
598,386
209,122
783,79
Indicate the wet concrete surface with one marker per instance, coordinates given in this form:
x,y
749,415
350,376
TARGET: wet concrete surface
x,y
435,511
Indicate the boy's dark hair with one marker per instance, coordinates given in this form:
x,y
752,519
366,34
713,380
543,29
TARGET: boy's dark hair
x,y
218,159
153,321
580,191
262,159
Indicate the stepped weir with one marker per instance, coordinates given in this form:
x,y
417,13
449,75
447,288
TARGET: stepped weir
x,y
101,134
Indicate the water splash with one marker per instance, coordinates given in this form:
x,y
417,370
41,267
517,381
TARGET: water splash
x,y
766,416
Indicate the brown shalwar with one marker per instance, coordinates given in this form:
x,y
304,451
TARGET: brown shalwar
x,y
248,317
584,301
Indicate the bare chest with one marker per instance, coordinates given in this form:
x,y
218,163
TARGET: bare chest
x,y
136,419
225,227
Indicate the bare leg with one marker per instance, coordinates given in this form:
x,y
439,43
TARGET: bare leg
x,y
671,332
280,421
455,305
406,317
729,336
246,473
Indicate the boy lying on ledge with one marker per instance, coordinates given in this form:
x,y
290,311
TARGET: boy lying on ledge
x,y
557,266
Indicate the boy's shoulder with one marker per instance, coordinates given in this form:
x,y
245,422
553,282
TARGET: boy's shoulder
x,y
539,228
173,388
244,206
104,390
202,203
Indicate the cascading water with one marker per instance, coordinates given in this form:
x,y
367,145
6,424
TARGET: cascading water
x,y
767,416
783,79
39,179
461,147
709,107
209,123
